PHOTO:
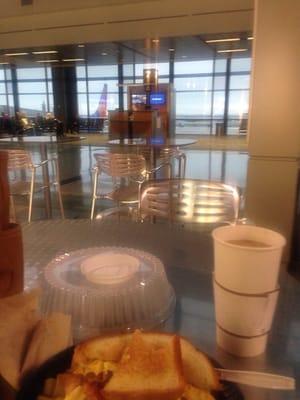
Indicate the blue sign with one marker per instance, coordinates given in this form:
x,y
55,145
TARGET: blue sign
x,y
158,98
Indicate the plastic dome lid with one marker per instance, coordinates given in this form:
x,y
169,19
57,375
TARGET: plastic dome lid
x,y
108,289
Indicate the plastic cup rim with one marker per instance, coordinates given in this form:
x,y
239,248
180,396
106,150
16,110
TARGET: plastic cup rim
x,y
259,249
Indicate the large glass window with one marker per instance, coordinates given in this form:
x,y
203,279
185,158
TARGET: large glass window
x,y
193,67
204,91
97,93
35,90
162,69
238,96
6,92
193,83
201,95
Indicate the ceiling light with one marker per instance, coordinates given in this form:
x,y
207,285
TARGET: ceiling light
x,y
171,49
250,38
81,45
223,40
231,51
45,52
103,53
46,61
73,59
155,40
4,63
15,54
183,56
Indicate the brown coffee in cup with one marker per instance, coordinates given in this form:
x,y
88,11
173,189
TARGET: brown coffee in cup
x,y
248,243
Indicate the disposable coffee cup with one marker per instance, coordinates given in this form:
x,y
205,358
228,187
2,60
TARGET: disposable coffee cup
x,y
244,314
247,258
241,346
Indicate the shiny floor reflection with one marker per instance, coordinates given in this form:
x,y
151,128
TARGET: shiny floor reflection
x,y
77,161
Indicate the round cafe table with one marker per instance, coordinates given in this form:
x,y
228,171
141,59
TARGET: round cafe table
x,y
153,144
187,257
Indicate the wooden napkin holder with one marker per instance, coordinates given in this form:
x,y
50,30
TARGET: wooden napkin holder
x,y
11,246
11,261
6,391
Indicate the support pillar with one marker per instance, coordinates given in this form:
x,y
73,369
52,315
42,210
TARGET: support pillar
x,y
274,123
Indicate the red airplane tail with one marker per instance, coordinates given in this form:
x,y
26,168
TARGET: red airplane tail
x,y
101,111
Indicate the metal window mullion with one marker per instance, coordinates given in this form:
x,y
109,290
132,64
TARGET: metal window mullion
x,y
47,89
6,90
120,87
87,95
212,96
226,105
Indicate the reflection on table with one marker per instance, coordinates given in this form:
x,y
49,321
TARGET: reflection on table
x,y
187,256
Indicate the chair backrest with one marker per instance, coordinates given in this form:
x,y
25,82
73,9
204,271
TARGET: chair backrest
x,y
120,164
18,159
190,201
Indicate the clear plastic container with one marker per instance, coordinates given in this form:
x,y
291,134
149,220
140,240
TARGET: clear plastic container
x,y
108,289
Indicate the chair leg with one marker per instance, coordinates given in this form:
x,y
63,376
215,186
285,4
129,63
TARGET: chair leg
x,y
94,194
31,195
58,188
179,159
61,204
182,175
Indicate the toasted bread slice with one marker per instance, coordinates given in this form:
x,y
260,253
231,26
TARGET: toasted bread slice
x,y
198,370
104,348
193,393
147,371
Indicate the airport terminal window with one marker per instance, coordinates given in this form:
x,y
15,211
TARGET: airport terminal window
x,y
128,78
200,95
102,71
193,83
238,96
239,82
241,64
6,92
238,102
96,85
162,69
193,67
218,105
35,90
220,65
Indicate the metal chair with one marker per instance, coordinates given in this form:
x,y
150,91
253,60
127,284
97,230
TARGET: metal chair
x,y
189,201
166,155
128,167
20,160
171,153
128,172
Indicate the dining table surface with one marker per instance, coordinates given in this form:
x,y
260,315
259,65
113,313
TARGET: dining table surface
x,y
187,255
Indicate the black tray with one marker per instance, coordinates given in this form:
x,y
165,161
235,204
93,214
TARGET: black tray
x,y
32,385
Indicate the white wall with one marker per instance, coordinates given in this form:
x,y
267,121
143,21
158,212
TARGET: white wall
x,y
274,127
63,22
